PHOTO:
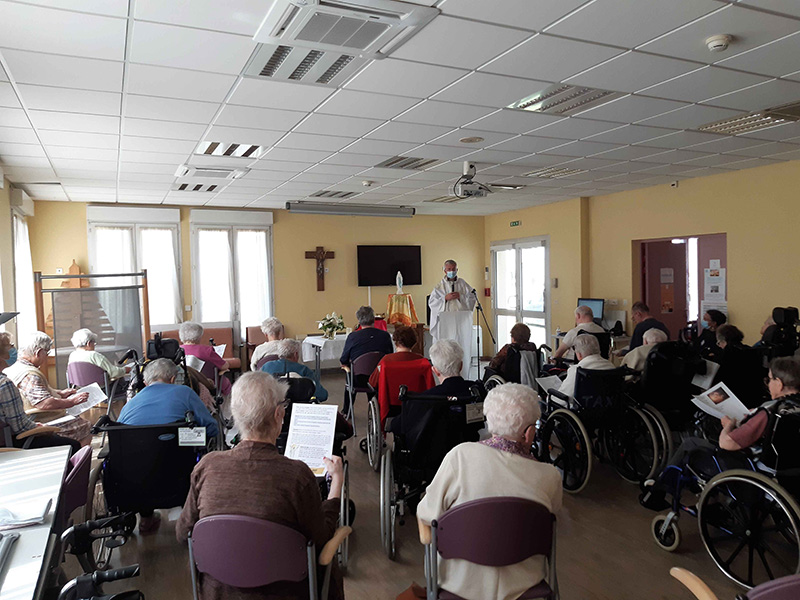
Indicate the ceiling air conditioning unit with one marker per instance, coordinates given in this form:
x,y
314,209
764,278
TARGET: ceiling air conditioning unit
x,y
210,172
21,202
367,28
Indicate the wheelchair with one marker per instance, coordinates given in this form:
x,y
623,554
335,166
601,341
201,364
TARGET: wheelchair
x,y
142,467
431,427
600,420
521,366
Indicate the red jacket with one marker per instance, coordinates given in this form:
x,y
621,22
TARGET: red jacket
x,y
415,374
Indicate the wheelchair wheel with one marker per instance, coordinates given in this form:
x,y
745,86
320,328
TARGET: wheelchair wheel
x,y
631,445
565,444
97,508
666,447
493,382
388,505
750,526
666,532
344,517
374,435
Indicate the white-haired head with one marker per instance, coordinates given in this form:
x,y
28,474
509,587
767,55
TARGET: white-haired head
x,y
447,356
161,370
272,328
586,345
510,409
83,337
255,400
289,349
33,344
654,336
190,332
584,314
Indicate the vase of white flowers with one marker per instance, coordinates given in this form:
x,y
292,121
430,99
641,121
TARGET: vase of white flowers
x,y
330,325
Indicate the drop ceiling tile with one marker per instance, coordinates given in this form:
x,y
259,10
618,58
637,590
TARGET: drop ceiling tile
x,y
529,144
319,178
669,169
328,169
307,141
10,149
449,114
242,135
273,177
681,139
574,128
792,155
81,163
336,125
437,151
492,156
415,133
151,168
630,109
784,131
381,147
350,103
74,122
135,174
750,28
8,98
169,109
631,72
64,71
111,8
356,160
392,76
628,24
149,80
279,94
765,150
702,84
759,97
690,117
28,174
38,97
184,48
582,148
140,156
556,59
676,156
79,139
629,134
95,176
239,16
454,137
26,27
13,117
460,50
540,160
36,162
778,58
301,156
715,160
259,118
162,129
67,152
516,13
514,121
157,145
630,153
727,144
788,7
486,89
627,167
592,163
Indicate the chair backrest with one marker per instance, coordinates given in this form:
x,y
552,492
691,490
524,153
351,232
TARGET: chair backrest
x,y
780,447
595,388
604,339
784,588
365,364
6,437
416,375
495,532
246,552
667,376
264,360
85,373
742,370
76,484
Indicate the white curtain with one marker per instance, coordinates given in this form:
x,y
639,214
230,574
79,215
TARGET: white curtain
x,y
23,280
114,254
252,276
214,275
157,255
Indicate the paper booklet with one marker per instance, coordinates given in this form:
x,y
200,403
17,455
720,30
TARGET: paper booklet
x,y
311,434
720,402
195,363
96,396
547,383
704,381
22,514
220,350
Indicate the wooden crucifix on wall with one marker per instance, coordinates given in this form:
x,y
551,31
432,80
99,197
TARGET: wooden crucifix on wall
x,y
320,255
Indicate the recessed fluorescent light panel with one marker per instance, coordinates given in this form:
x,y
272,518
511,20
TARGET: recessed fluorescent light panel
x,y
232,150
352,210
564,100
506,186
554,172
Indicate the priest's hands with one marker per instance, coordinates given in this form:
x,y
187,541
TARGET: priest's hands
x,y
452,296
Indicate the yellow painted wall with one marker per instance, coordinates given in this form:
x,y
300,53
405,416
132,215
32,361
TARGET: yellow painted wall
x,y
58,235
6,250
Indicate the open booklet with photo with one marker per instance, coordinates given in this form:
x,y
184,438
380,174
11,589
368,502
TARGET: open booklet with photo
x,y
719,401
311,432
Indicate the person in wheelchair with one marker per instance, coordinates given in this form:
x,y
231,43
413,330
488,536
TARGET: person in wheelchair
x,y
500,365
191,334
404,339
697,454
274,331
289,364
636,359
587,351
267,485
584,321
500,466
163,401
741,367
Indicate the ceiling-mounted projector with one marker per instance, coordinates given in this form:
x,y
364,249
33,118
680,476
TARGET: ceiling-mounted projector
x,y
465,187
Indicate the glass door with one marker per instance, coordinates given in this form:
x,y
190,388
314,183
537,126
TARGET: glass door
x,y
520,294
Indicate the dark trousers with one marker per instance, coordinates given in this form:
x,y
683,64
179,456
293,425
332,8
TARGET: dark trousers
x,y
49,441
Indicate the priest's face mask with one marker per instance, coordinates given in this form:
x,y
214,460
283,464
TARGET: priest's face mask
x,y
450,271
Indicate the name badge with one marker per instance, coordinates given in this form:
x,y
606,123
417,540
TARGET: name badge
x,y
191,436
475,412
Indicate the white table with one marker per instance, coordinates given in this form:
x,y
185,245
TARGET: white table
x,y
30,475
319,348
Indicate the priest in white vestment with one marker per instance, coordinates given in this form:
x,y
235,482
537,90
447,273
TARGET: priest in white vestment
x,y
453,294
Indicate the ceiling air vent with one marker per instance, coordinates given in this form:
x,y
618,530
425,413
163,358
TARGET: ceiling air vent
x,y
565,100
231,150
554,172
290,63
199,187
366,28
407,162
755,121
210,172
445,199
332,194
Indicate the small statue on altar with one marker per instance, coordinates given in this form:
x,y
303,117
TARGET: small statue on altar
x,y
399,281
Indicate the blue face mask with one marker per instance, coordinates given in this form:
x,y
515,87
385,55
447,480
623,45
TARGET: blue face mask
x,y
705,324
12,356
450,274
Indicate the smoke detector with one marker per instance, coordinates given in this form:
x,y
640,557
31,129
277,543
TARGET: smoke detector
x,y
719,43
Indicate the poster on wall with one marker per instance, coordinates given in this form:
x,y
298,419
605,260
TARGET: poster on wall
x,y
667,298
714,289
668,275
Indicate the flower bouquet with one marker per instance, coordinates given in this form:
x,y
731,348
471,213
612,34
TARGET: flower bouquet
x,y
330,325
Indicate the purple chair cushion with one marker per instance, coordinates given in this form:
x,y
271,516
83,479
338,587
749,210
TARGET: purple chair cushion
x,y
84,373
785,588
540,590
246,552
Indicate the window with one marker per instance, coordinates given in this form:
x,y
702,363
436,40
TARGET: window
x,y
232,267
23,279
151,245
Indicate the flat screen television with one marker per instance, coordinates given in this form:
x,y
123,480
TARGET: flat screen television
x,y
596,304
378,265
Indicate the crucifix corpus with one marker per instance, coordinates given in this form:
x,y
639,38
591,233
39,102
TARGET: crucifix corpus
x,y
320,255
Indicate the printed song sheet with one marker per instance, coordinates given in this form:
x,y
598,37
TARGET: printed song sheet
x,y
96,396
311,434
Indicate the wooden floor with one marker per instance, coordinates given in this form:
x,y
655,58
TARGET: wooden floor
x,y
605,550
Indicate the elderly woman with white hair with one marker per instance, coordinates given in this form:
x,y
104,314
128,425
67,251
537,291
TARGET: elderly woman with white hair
x,y
36,392
85,342
289,364
191,334
267,485
500,466
636,359
274,331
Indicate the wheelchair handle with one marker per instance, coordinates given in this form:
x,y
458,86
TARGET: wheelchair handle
x,y
100,577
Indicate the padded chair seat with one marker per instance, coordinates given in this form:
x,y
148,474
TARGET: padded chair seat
x,y
540,590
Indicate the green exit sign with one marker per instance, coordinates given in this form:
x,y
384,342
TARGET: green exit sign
x,y
515,223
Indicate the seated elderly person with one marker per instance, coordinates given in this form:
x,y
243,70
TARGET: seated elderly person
x,y
499,466
520,341
85,342
587,351
404,339
640,315
367,339
274,331
37,393
8,352
584,321
636,359
289,362
191,334
267,486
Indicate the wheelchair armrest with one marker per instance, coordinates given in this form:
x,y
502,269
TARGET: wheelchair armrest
x,y
46,412
558,394
424,532
44,430
545,347
345,368
693,583
329,549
